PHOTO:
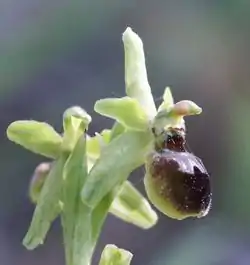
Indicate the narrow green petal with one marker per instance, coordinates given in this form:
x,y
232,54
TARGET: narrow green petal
x,y
38,137
127,111
48,206
118,159
168,100
113,255
130,206
136,79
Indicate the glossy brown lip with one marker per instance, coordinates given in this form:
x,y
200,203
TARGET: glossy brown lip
x,y
181,176
186,182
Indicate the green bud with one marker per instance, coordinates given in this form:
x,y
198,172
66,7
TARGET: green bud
x,y
75,122
37,181
73,115
113,255
48,205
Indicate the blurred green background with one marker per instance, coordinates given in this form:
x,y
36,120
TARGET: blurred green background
x,y
54,54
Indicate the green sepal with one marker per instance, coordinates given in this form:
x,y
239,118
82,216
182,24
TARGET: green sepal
x,y
130,206
136,80
38,137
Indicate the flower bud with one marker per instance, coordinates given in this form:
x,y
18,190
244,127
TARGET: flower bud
x,y
77,113
37,181
114,255
75,122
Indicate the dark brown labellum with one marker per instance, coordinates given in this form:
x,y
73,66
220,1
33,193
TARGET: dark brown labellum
x,y
180,176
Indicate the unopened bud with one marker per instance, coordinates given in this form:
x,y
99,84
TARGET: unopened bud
x,y
75,112
37,181
75,123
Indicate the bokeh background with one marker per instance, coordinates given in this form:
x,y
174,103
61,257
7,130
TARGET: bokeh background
x,y
54,54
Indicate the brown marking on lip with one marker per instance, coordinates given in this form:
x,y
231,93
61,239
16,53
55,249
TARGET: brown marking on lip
x,y
180,176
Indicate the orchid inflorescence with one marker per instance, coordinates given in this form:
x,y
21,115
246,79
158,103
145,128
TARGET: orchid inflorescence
x,y
86,176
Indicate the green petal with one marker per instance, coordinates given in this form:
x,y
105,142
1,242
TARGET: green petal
x,y
136,79
38,137
126,111
76,217
168,100
130,206
118,159
113,255
48,206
